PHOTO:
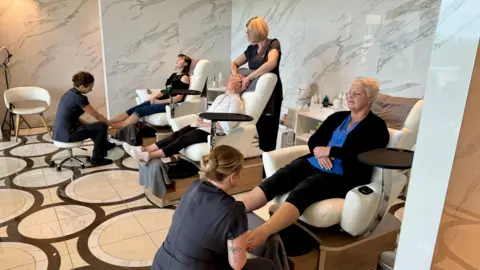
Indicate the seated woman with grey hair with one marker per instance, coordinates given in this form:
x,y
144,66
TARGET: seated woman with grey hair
x,y
330,170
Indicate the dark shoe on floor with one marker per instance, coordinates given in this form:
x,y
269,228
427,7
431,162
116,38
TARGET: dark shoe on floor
x,y
101,161
110,146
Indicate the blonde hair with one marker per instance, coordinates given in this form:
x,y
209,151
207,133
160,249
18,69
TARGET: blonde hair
x,y
259,26
370,86
221,162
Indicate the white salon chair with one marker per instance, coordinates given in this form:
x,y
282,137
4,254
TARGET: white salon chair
x,y
354,213
70,157
199,71
19,94
242,135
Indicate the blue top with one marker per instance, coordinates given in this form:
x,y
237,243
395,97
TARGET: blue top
x,y
338,139
70,108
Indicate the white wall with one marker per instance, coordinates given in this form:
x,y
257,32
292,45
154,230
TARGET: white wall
x,y
448,83
142,41
328,43
50,41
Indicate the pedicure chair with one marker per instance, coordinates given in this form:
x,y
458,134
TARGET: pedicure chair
x,y
240,137
348,233
199,71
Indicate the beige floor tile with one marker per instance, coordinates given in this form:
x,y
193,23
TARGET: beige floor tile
x,y
23,132
154,219
8,209
47,200
159,237
31,266
77,261
3,231
66,263
114,208
10,195
129,189
70,211
27,150
72,245
99,195
124,228
137,248
137,203
33,178
42,231
53,195
92,181
36,130
61,248
40,217
13,257
72,225
121,177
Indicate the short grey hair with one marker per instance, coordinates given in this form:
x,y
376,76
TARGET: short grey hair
x,y
370,86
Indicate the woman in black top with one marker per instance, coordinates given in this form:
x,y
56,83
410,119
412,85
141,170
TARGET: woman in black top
x,y
330,170
209,227
178,80
263,56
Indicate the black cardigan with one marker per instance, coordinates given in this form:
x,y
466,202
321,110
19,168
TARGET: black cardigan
x,y
371,133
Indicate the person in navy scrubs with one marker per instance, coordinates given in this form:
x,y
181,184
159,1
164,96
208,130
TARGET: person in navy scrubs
x,y
69,127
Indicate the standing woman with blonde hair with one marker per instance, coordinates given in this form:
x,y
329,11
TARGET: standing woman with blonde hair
x,y
263,55
209,227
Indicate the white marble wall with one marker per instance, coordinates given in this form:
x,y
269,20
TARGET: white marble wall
x,y
143,38
50,41
449,77
327,43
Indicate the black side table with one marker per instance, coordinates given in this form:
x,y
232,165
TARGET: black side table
x,y
176,92
387,159
216,117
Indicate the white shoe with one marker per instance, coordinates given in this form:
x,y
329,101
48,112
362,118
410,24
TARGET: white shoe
x,y
141,157
129,149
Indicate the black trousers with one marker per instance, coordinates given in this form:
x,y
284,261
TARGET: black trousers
x,y
258,264
267,125
97,132
306,184
182,138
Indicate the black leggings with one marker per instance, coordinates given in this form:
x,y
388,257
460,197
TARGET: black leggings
x,y
267,125
180,139
95,131
306,184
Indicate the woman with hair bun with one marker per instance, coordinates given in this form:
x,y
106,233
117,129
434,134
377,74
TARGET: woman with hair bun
x,y
69,127
209,227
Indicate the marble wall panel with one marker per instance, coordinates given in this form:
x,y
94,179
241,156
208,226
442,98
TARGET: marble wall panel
x,y
142,40
50,41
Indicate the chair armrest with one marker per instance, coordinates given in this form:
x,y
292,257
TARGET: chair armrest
x,y
180,122
274,160
229,117
185,108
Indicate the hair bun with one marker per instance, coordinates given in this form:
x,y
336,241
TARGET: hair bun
x,y
210,163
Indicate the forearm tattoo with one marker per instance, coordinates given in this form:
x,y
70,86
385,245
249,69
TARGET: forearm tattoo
x,y
234,250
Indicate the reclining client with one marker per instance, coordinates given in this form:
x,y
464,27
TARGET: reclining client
x,y
178,80
332,167
198,132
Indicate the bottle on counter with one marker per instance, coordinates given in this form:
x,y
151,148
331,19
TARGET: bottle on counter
x,y
325,101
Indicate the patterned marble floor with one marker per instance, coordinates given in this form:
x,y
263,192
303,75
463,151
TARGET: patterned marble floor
x,y
92,218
